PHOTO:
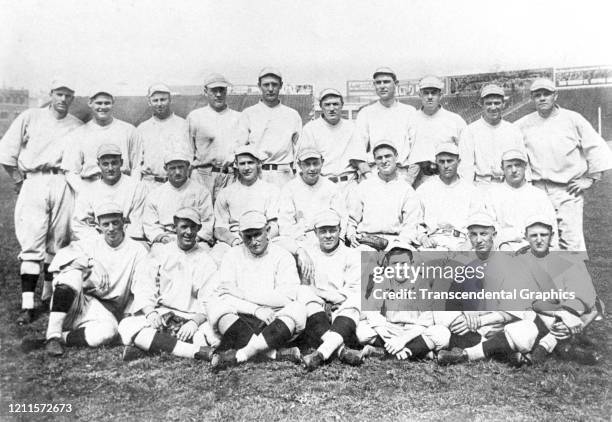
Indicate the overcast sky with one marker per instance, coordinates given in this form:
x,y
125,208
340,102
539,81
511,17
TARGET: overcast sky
x,y
128,44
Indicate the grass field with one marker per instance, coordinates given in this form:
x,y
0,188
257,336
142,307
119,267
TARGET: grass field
x,y
100,387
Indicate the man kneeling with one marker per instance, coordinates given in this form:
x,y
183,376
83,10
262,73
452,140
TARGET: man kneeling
x,y
256,311
92,284
171,290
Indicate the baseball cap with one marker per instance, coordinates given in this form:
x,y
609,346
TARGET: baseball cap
x,y
270,71
215,80
61,83
107,208
447,147
251,150
307,153
189,213
491,89
383,142
329,91
482,219
108,149
514,154
99,91
537,219
326,218
431,82
252,220
384,71
543,83
158,88
177,155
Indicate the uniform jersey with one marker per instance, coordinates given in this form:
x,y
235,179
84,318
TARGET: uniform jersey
x,y
563,146
80,156
482,145
214,135
447,204
299,203
337,271
429,131
377,122
379,207
35,140
511,207
128,193
173,278
236,199
162,203
273,130
159,137
270,278
337,143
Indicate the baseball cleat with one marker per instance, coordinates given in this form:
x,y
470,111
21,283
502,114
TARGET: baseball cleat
x,y
312,361
29,344
205,353
537,356
131,353
452,357
350,356
25,317
290,354
223,360
576,353
370,351
54,347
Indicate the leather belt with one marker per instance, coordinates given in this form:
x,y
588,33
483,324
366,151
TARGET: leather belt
x,y
92,177
46,171
219,170
212,168
337,179
490,178
274,166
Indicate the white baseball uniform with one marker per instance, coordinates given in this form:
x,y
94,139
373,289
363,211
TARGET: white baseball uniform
x,y
128,193
214,135
275,132
299,203
162,203
561,148
34,144
156,139
481,148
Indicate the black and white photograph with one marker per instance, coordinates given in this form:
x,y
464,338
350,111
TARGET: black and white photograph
x,y
305,210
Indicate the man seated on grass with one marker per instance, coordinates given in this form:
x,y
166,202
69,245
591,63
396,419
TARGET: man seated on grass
x,y
256,312
332,299
404,333
92,284
171,289
560,321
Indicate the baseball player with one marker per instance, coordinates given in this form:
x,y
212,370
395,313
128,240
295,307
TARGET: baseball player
x,y
113,187
384,205
387,119
79,159
304,196
273,128
31,152
484,141
162,133
432,125
567,157
214,132
448,201
92,285
336,138
489,329
336,287
514,200
176,280
178,192
257,311
404,333
559,320
249,193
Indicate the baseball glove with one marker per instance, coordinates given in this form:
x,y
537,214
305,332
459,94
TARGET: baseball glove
x,y
172,323
373,241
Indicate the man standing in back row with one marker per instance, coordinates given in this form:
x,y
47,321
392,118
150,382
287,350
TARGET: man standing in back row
x,y
567,157
273,128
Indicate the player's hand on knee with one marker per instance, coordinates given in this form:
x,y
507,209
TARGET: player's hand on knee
x,y
354,241
577,186
395,345
459,325
187,330
560,331
155,320
265,314
306,266
403,354
473,321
